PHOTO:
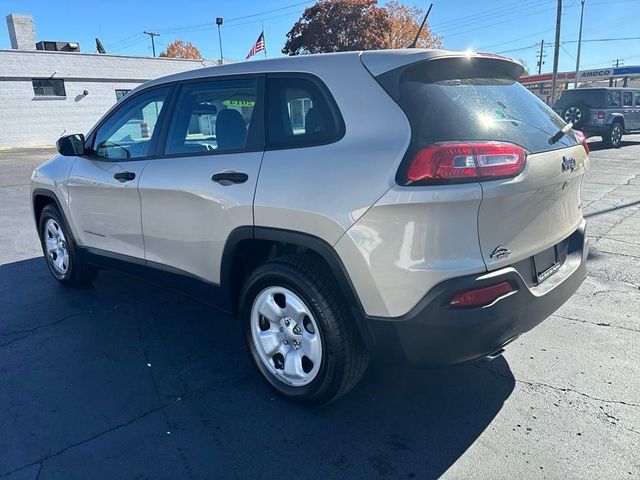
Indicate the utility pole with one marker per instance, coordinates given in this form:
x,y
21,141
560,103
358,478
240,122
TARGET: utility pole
x,y
575,80
556,53
541,54
219,24
153,43
611,84
611,80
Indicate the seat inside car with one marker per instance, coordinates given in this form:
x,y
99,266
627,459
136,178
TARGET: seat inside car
x,y
231,132
313,122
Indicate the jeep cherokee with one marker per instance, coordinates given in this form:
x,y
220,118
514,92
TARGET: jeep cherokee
x,y
415,205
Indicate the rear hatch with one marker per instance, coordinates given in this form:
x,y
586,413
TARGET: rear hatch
x,y
476,101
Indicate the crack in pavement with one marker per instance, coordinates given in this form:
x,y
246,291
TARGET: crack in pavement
x,y
192,396
598,324
637,257
93,437
600,237
31,331
558,389
619,185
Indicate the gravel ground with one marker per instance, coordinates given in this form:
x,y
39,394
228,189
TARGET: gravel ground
x,y
126,380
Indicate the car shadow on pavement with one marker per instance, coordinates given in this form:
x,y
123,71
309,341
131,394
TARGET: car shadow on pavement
x,y
126,380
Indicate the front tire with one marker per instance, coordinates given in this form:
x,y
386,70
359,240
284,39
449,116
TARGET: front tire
x,y
60,251
613,138
299,331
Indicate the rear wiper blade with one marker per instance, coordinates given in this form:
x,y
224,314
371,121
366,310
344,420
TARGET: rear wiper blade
x,y
560,133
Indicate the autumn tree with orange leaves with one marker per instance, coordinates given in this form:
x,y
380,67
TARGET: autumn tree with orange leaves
x,y
404,23
181,49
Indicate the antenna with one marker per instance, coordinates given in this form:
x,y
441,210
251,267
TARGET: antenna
x,y
424,20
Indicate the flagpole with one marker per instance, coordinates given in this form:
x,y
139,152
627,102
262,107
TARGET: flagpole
x,y
264,39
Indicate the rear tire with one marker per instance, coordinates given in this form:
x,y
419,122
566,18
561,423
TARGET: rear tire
x,y
613,139
303,315
60,251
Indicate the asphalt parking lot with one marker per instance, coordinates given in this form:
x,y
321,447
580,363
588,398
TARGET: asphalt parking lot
x,y
126,380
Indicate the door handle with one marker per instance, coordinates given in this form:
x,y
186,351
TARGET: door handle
x,y
124,176
229,177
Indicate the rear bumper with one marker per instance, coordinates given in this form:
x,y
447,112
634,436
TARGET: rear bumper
x,y
595,130
433,333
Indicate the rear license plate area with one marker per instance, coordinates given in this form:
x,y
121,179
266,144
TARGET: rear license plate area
x,y
546,263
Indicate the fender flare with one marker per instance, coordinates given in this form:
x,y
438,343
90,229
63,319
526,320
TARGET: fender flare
x,y
43,192
305,240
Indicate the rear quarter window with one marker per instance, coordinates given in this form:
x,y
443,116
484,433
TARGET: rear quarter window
x,y
301,113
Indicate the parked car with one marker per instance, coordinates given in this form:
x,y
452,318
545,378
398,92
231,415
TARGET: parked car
x,y
602,112
416,205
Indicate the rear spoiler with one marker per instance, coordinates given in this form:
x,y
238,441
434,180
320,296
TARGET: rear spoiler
x,y
436,67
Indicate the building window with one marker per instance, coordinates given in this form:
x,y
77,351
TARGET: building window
x,y
48,87
121,93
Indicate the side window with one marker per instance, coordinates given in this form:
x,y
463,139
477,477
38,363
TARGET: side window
x,y
613,98
627,99
213,116
299,113
128,132
637,95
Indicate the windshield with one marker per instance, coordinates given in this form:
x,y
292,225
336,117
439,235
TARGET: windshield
x,y
465,109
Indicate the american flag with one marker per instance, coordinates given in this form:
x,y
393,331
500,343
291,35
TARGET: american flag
x,y
257,47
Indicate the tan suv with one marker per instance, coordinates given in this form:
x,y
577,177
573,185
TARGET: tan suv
x,y
414,204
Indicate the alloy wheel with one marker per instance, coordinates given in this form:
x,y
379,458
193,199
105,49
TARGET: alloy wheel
x,y
286,336
616,134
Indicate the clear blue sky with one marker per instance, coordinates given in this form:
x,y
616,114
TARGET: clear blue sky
x,y
496,26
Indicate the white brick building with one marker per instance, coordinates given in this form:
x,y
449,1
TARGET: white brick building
x,y
45,94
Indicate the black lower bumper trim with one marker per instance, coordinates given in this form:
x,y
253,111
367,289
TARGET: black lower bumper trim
x,y
434,333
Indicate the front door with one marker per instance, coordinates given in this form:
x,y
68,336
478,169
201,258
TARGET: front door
x,y
103,185
202,188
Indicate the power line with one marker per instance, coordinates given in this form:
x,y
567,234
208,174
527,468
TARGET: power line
x,y
206,26
271,11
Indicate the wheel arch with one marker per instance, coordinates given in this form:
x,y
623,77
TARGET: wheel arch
x,y
618,117
248,247
40,198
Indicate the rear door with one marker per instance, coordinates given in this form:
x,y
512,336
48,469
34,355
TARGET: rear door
x,y
465,100
202,187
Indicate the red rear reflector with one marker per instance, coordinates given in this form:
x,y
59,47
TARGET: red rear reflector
x,y
479,297
582,139
600,114
473,161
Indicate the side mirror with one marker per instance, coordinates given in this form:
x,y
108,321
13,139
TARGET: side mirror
x,y
71,145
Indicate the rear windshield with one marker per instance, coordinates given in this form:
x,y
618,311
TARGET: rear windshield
x,y
476,106
591,97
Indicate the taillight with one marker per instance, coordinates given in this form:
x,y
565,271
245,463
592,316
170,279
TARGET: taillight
x,y
600,115
479,297
582,139
459,162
